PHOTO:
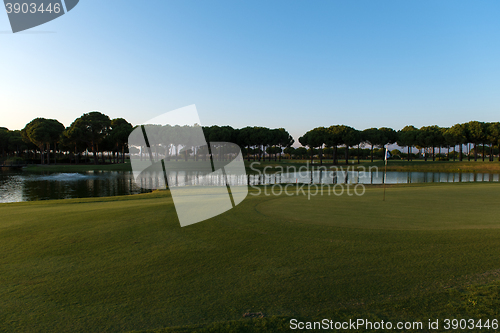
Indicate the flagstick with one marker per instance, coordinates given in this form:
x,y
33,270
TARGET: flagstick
x,y
385,171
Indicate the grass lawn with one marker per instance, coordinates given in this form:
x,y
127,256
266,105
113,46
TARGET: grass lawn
x,y
439,166
124,264
392,165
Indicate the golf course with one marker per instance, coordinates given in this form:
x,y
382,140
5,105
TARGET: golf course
x,y
123,264
250,166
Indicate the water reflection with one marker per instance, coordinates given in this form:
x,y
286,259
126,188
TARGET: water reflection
x,y
391,177
18,186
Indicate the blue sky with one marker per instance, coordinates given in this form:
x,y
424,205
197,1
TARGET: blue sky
x,y
292,64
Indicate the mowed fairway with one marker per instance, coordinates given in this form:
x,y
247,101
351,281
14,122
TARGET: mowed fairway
x,y
123,264
417,207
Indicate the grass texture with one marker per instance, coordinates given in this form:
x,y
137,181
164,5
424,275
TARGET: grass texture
x,y
124,264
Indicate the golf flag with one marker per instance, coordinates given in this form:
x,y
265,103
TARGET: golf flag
x,y
386,157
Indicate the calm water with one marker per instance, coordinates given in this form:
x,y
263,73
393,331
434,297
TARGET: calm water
x,y
20,185
391,177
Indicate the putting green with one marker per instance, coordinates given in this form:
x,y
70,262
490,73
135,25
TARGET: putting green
x,y
406,208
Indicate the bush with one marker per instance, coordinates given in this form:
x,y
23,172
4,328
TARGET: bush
x,y
14,161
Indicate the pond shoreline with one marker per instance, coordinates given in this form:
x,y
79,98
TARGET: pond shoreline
x,y
277,166
46,184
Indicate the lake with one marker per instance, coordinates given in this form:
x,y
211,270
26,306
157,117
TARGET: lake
x,y
18,185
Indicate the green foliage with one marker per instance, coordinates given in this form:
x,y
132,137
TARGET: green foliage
x,y
301,151
90,129
430,136
259,138
314,139
42,132
12,161
387,136
371,136
96,132
395,153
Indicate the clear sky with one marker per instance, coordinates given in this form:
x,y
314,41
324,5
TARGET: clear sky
x,y
292,64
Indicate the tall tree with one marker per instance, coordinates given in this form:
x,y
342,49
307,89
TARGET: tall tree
x,y
42,132
72,138
286,140
451,140
4,139
458,134
475,134
493,137
350,137
92,127
244,139
407,137
119,132
387,136
372,136
314,138
290,151
16,143
484,138
430,137
55,129
333,138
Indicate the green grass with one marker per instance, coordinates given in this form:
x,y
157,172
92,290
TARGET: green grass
x,y
417,210
439,166
124,264
392,165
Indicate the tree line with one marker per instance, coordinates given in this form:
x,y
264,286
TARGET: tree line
x,y
482,136
50,141
94,137
174,142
